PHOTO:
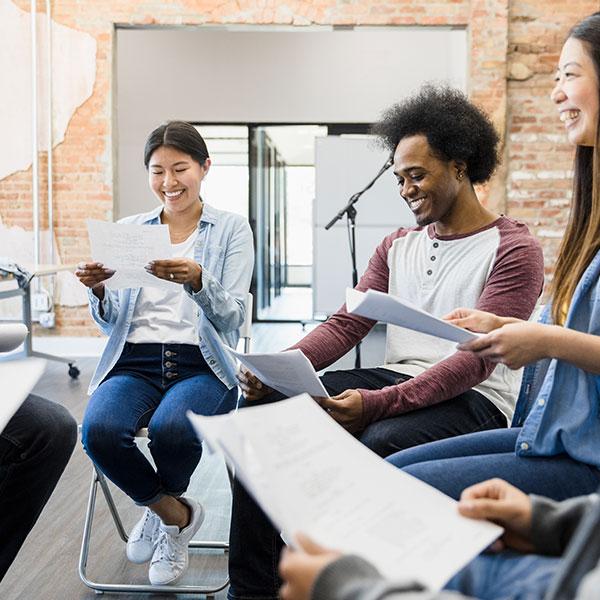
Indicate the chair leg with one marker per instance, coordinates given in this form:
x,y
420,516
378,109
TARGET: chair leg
x,y
87,529
99,479
111,505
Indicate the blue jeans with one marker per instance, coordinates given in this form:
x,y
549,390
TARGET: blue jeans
x,y
255,545
452,465
152,385
506,576
35,447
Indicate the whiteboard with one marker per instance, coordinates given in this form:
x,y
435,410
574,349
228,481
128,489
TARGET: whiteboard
x,y
343,166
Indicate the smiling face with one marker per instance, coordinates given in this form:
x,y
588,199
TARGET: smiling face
x,y
175,178
428,185
576,93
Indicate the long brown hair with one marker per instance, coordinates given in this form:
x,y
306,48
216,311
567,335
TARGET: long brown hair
x,y
581,241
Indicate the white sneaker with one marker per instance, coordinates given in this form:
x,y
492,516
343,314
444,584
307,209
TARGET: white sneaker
x,y
170,559
143,537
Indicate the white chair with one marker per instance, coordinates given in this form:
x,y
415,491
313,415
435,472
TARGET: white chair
x,y
98,479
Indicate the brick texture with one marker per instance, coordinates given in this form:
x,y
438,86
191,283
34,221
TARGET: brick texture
x,y
514,47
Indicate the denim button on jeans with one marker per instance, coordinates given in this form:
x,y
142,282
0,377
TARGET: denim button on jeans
x,y
140,391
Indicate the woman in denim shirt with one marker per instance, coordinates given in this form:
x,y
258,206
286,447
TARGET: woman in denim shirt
x,y
166,353
553,447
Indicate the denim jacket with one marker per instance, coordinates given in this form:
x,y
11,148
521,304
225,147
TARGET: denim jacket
x,y
225,250
559,405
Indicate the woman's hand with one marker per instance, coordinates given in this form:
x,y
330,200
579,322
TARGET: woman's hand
x,y
93,275
252,387
515,344
178,270
502,503
346,408
476,320
300,568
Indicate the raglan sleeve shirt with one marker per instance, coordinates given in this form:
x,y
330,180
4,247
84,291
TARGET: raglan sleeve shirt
x,y
512,288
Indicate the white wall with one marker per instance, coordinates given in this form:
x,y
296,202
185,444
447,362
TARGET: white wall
x,y
266,75
343,167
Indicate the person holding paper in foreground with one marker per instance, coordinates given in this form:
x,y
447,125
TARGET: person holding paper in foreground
x,y
35,446
532,524
166,350
459,253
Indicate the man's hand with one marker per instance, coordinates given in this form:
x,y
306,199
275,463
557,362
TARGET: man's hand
x,y
252,387
502,503
515,344
93,275
346,408
177,270
300,568
476,320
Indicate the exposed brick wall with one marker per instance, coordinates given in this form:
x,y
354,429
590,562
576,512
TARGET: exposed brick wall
x,y
521,38
538,187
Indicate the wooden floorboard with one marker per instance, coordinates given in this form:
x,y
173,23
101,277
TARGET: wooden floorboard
x,y
46,567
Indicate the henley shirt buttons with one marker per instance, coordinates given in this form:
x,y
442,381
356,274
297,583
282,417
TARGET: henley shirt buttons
x,y
170,375
524,446
433,258
429,272
435,244
168,354
168,364
542,401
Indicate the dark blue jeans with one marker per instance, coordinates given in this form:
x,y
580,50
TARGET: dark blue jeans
x,y
255,545
35,447
454,464
152,385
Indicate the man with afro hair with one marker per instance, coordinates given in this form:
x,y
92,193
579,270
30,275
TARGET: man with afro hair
x,y
459,254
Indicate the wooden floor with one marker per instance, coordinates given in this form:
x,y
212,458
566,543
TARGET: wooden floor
x,y
46,567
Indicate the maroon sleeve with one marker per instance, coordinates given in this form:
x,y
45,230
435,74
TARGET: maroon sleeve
x,y
511,290
342,331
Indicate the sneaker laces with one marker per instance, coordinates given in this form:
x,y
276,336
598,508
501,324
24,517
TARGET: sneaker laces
x,y
147,529
166,548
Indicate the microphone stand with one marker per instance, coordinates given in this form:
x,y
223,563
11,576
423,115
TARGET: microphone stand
x,y
350,211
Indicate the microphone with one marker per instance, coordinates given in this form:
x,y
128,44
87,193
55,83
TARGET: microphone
x,y
355,197
350,211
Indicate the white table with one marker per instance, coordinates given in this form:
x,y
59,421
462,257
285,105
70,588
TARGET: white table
x,y
24,277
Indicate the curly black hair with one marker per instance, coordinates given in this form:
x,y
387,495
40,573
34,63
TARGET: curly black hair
x,y
454,127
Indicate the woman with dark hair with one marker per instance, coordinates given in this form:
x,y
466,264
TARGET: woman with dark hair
x,y
166,353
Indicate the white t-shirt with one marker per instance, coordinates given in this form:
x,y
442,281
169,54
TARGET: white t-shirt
x,y
166,317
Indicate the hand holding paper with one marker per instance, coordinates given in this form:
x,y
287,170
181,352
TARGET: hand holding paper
x,y
128,249
389,309
93,274
287,372
310,475
252,387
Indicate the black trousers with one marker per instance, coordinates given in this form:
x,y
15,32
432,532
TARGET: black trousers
x,y
35,447
255,546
